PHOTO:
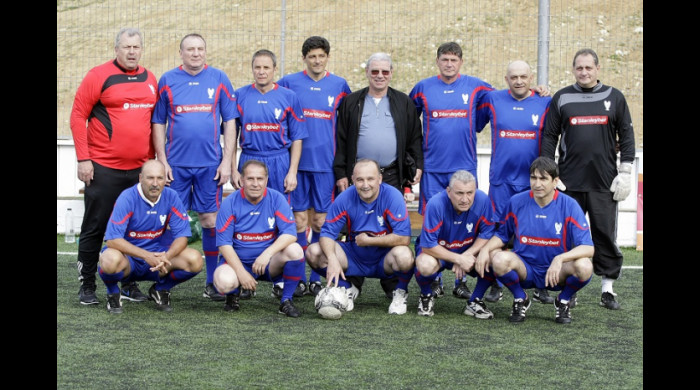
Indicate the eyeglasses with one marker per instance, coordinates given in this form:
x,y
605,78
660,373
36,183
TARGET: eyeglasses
x,y
375,72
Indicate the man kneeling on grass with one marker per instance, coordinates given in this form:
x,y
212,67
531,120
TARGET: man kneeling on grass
x,y
136,247
257,238
552,244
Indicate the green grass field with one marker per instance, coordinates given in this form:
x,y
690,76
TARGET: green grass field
x,y
199,346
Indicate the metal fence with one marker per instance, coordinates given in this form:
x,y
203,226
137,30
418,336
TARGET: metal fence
x,y
491,33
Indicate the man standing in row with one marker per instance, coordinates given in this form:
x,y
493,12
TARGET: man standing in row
x,y
195,102
111,126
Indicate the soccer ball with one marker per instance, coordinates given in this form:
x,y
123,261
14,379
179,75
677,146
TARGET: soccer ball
x,y
331,302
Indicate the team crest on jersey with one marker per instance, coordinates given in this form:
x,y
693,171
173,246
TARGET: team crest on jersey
x,y
271,222
465,98
162,219
535,119
278,112
470,226
606,103
557,227
380,220
331,99
210,92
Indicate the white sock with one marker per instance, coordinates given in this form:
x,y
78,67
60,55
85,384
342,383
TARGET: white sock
x,y
608,285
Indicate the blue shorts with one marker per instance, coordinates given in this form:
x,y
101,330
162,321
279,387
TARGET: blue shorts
x,y
500,194
431,183
197,188
140,270
314,190
277,166
365,261
248,265
535,278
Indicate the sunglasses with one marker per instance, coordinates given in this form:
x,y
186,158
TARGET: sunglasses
x,y
375,72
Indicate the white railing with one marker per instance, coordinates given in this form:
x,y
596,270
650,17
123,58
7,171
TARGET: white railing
x,y
68,190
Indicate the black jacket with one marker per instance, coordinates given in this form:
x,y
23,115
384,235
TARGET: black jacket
x,y
409,132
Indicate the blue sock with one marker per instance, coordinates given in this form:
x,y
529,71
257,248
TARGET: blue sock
x,y
301,240
111,280
174,278
424,282
573,284
314,276
512,281
211,252
482,284
404,278
292,273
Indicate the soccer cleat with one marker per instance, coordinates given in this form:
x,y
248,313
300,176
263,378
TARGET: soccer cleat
x,y
573,301
287,308
389,285
353,293
477,309
211,293
300,290
161,298
130,292
462,290
607,300
496,293
520,306
87,295
277,290
563,312
247,294
398,302
315,288
232,302
542,296
436,286
425,305
114,304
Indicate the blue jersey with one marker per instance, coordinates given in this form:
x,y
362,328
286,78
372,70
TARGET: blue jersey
x,y
516,135
543,232
451,119
319,100
385,215
193,108
443,226
250,228
269,122
142,223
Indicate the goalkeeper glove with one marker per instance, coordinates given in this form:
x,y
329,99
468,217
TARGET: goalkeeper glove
x,y
622,185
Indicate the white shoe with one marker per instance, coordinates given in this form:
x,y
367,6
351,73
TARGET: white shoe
x,y
353,292
398,303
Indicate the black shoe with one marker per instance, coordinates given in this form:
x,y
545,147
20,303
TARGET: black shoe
x,y
300,290
520,306
462,290
573,301
161,298
130,292
496,293
114,304
436,286
287,308
315,288
87,295
211,293
277,289
358,281
389,285
607,300
563,313
232,303
542,296
247,294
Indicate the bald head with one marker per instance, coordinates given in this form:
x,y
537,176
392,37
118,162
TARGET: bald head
x,y
519,78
